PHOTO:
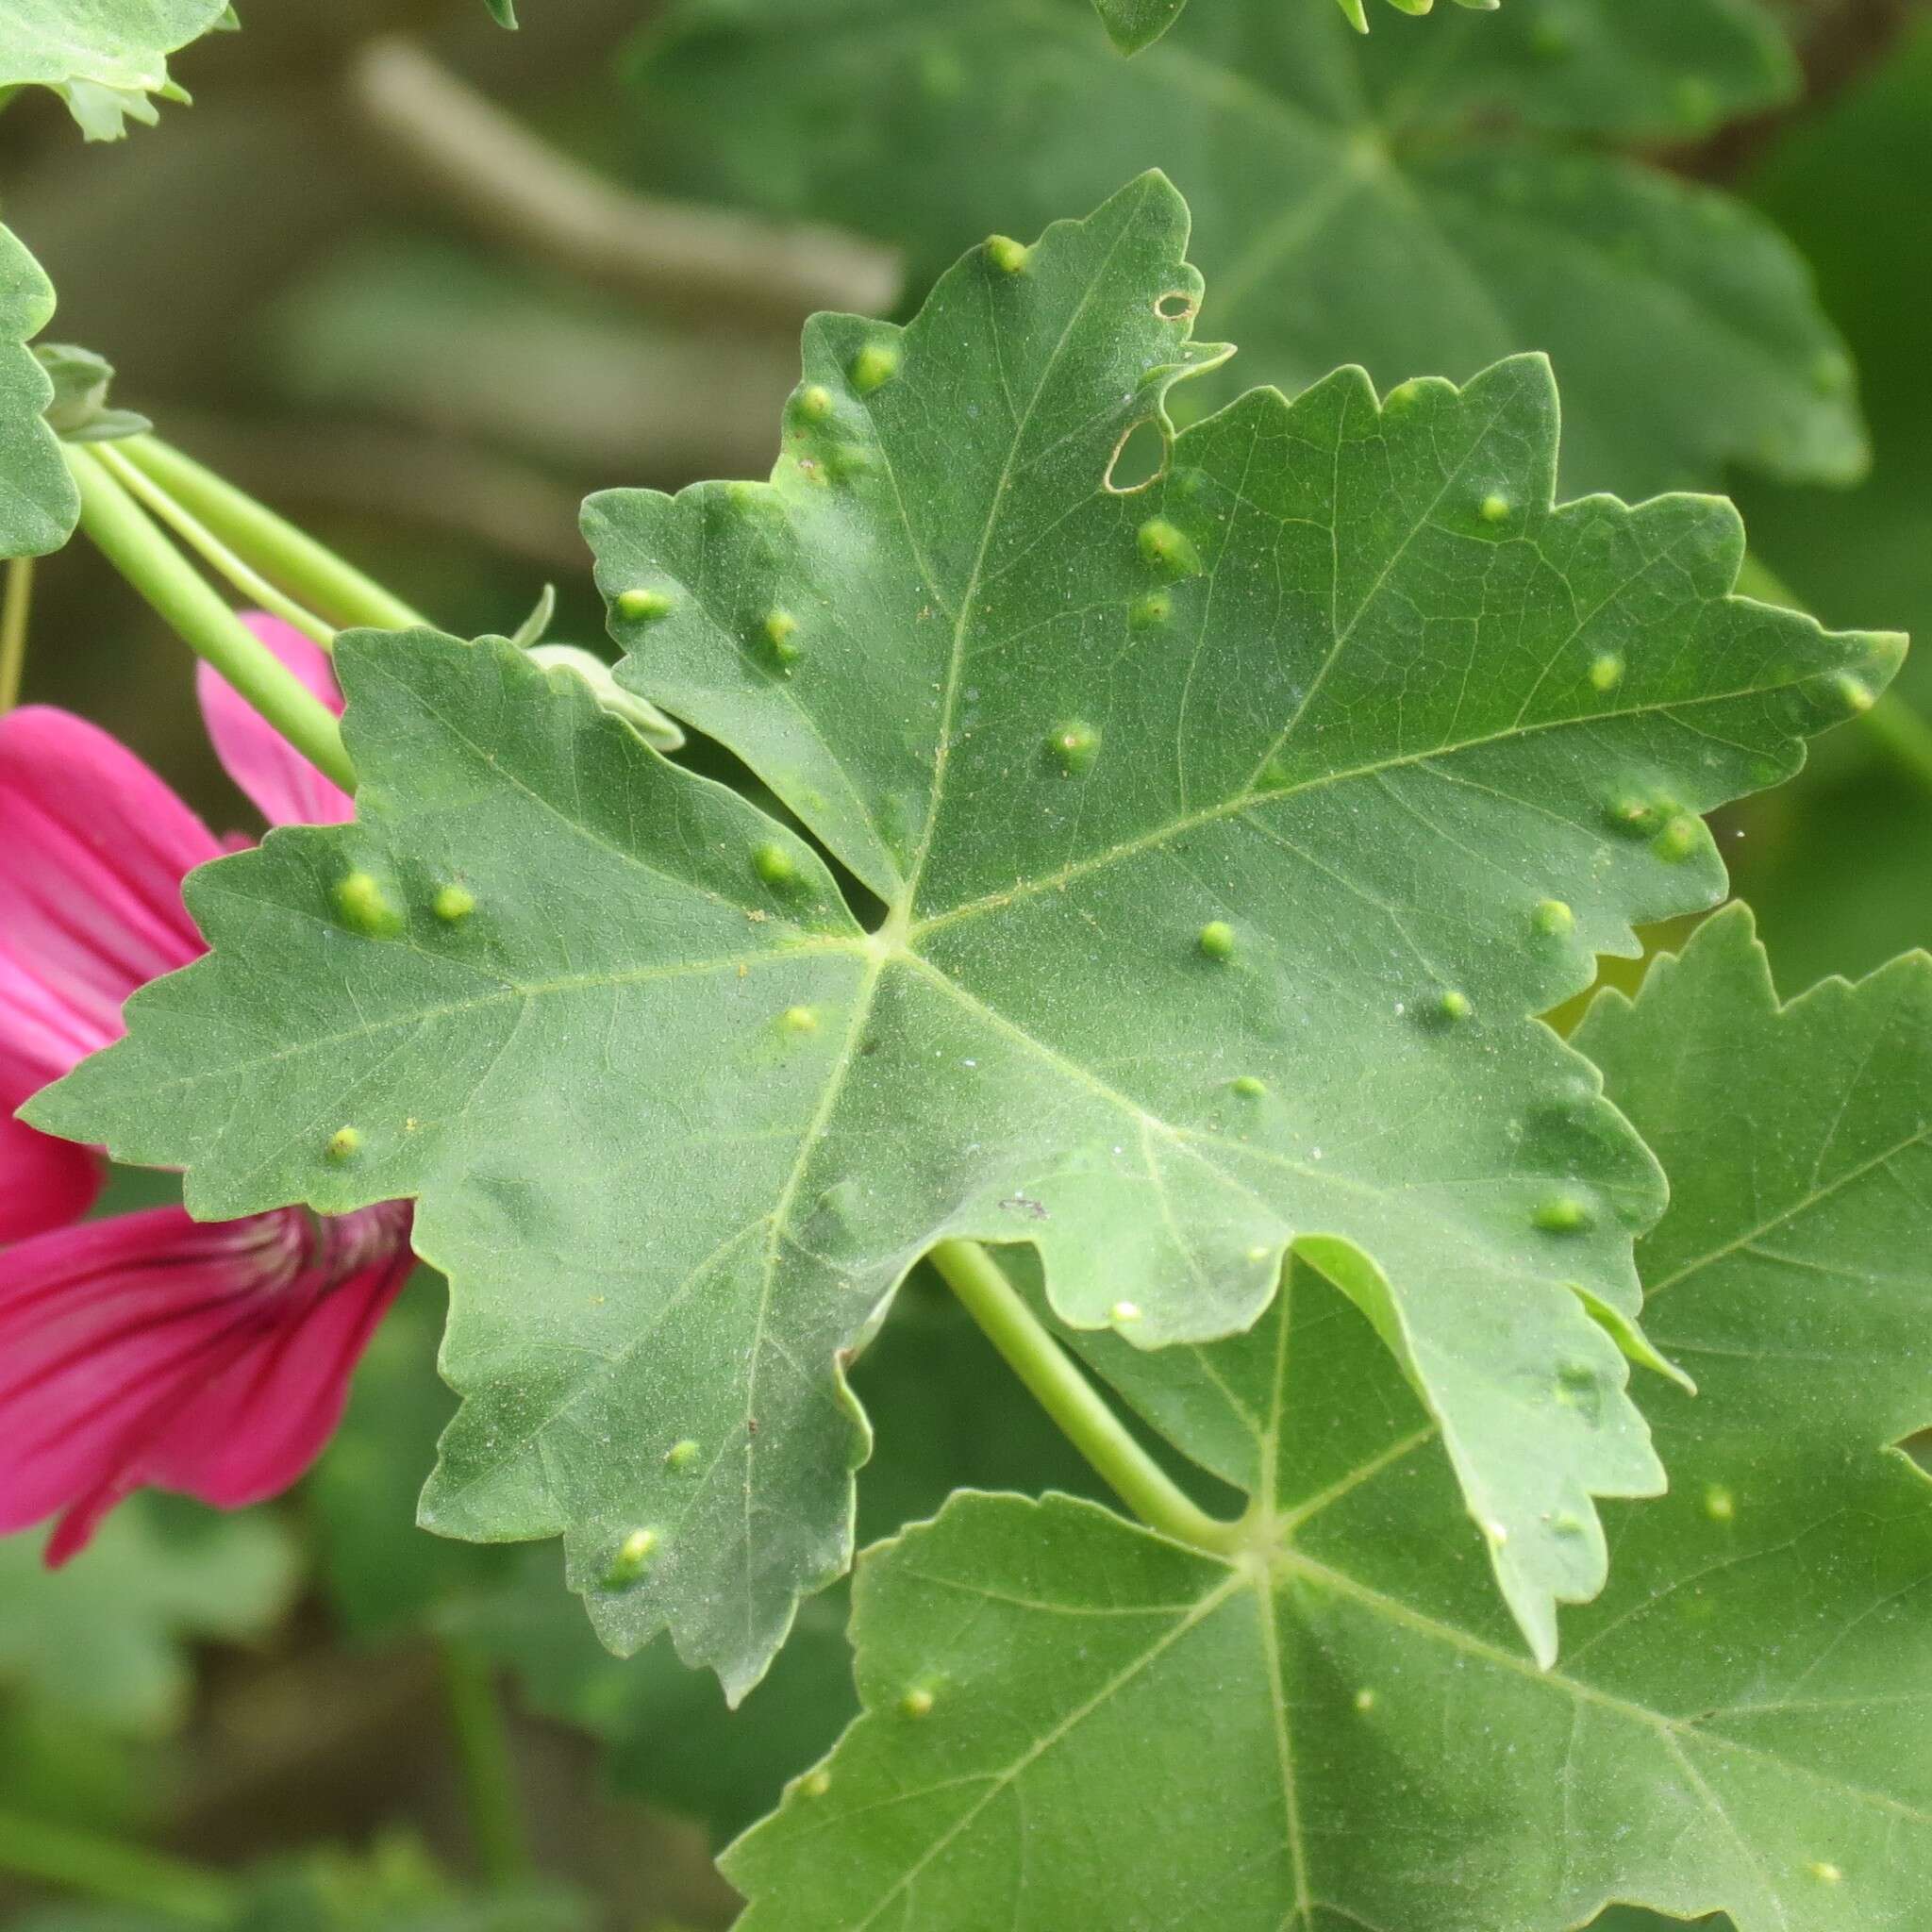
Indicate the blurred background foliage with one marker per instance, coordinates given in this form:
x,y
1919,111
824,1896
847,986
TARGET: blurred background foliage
x,y
374,328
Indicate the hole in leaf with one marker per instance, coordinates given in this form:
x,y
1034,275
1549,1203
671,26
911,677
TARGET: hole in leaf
x,y
1177,306
1140,458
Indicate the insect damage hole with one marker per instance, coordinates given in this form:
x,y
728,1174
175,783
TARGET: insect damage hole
x,y
1140,458
1177,306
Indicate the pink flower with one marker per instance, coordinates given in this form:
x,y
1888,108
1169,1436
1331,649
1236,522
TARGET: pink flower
x,y
211,1358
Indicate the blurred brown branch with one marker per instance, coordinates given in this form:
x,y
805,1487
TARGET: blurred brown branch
x,y
516,189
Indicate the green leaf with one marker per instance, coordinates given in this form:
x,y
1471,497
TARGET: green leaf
x,y
39,504
503,12
80,411
1336,1729
1229,834
103,57
1420,200
102,1639
947,1415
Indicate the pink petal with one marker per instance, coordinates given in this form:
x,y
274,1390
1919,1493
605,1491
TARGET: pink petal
x,y
93,851
284,786
44,1183
212,1359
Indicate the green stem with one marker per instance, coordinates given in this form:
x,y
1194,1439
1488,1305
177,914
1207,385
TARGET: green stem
x,y
107,1869
13,615
127,538
489,1769
273,545
1057,1385
210,548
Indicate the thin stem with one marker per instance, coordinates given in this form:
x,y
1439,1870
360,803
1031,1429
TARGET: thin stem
x,y
14,608
109,1869
515,189
489,1768
126,536
1057,1385
210,548
326,584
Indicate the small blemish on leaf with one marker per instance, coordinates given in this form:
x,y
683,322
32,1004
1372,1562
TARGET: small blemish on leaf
x,y
814,402
917,1701
344,1145
1216,940
816,1784
1858,696
1008,256
1365,1699
799,1020
364,905
1453,1005
1155,608
1606,671
644,607
1563,1214
1553,919
873,367
632,1554
454,903
1632,815
1125,1312
1249,1087
1825,1871
1167,547
774,864
1681,836
681,1455
1495,509
780,628
1719,1504
1074,747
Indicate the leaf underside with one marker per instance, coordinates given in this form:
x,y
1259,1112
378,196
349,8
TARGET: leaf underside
x,y
39,504
1432,197
107,60
1229,835
1338,1732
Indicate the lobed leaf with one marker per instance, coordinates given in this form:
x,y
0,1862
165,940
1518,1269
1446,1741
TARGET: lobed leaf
x,y
1229,829
39,504
108,60
1417,200
1334,1729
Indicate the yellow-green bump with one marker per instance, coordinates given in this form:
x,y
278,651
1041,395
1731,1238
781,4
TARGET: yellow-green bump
x,y
814,402
1631,814
1858,696
1495,509
780,628
1563,1214
816,1784
1606,671
1167,547
454,903
1682,836
1074,747
345,1144
1008,256
917,1701
1719,1504
774,864
1553,919
364,905
644,607
1155,608
681,1455
632,1554
1453,1005
1216,940
1249,1088
873,366
799,1020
